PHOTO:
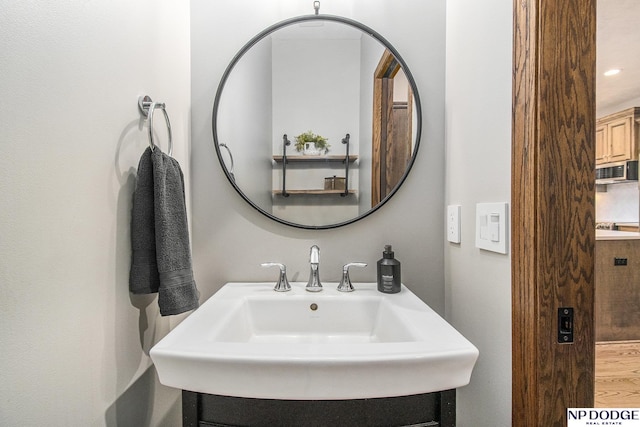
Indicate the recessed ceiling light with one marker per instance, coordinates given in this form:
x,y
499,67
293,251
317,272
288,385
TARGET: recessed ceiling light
x,y
612,72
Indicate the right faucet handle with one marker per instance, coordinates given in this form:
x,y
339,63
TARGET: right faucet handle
x,y
345,284
283,284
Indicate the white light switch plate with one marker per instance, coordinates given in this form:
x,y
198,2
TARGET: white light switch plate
x,y
492,226
453,223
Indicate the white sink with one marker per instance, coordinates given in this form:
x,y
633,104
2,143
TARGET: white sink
x,y
249,341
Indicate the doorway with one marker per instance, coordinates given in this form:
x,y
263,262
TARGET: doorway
x,y
392,127
617,356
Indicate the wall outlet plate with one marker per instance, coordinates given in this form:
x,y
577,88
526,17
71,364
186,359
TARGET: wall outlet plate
x,y
492,227
453,223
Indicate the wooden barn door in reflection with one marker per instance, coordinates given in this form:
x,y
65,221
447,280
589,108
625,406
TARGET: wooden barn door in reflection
x,y
392,127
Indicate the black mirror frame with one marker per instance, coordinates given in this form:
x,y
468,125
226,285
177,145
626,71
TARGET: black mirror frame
x,y
263,34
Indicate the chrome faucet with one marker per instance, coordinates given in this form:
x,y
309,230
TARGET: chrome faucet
x,y
345,284
314,285
282,285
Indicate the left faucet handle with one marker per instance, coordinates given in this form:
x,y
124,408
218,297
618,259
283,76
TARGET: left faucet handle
x,y
283,284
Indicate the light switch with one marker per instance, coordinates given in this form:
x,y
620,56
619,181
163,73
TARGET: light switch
x,y
484,227
492,226
453,223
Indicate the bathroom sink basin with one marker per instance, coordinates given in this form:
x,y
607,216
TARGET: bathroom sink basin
x,y
249,341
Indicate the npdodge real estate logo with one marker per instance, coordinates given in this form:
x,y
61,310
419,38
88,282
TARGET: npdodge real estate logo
x,y
624,417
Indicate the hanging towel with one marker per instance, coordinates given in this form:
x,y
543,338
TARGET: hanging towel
x,y
177,292
162,240
143,275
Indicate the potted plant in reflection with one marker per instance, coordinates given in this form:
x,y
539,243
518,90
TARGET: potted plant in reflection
x,y
311,144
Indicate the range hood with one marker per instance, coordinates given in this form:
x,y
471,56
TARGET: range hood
x,y
613,173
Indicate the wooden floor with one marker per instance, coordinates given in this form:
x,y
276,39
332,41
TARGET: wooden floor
x,y
617,374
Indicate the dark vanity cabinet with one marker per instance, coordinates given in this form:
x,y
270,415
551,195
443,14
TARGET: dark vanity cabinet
x,y
430,409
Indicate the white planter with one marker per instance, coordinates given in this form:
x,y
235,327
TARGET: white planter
x,y
311,150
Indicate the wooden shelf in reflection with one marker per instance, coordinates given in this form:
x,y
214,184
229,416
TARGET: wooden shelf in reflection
x,y
316,159
311,192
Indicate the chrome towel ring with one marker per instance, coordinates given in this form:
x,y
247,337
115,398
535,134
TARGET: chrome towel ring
x,y
147,107
231,158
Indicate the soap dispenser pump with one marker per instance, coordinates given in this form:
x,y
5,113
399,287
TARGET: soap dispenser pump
x,y
388,272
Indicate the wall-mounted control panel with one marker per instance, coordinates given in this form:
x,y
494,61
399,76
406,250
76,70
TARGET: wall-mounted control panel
x,y
492,227
565,325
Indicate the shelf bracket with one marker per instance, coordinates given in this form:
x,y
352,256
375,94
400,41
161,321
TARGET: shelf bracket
x,y
345,141
285,144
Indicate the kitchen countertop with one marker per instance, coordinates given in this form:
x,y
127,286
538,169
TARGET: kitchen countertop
x,y
616,235
627,224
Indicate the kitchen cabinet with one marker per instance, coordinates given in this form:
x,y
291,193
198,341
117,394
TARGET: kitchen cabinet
x,y
617,286
617,136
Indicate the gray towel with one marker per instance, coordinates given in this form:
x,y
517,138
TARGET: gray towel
x,y
161,257
143,276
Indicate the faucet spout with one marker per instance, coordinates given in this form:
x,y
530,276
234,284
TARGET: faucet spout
x,y
314,285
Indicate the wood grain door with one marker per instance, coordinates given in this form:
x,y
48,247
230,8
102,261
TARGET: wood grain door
x,y
553,208
392,130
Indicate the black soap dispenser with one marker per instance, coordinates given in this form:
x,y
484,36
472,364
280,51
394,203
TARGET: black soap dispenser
x,y
388,272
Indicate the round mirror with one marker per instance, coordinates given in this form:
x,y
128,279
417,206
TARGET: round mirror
x,y
317,121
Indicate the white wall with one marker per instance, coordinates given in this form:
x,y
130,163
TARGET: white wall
x,y
73,342
308,67
610,109
231,239
620,203
478,135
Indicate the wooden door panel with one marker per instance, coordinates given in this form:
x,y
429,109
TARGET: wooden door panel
x,y
553,208
399,147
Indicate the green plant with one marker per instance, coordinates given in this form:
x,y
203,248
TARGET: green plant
x,y
319,141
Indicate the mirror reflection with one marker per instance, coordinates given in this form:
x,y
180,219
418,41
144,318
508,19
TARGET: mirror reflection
x,y
320,121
